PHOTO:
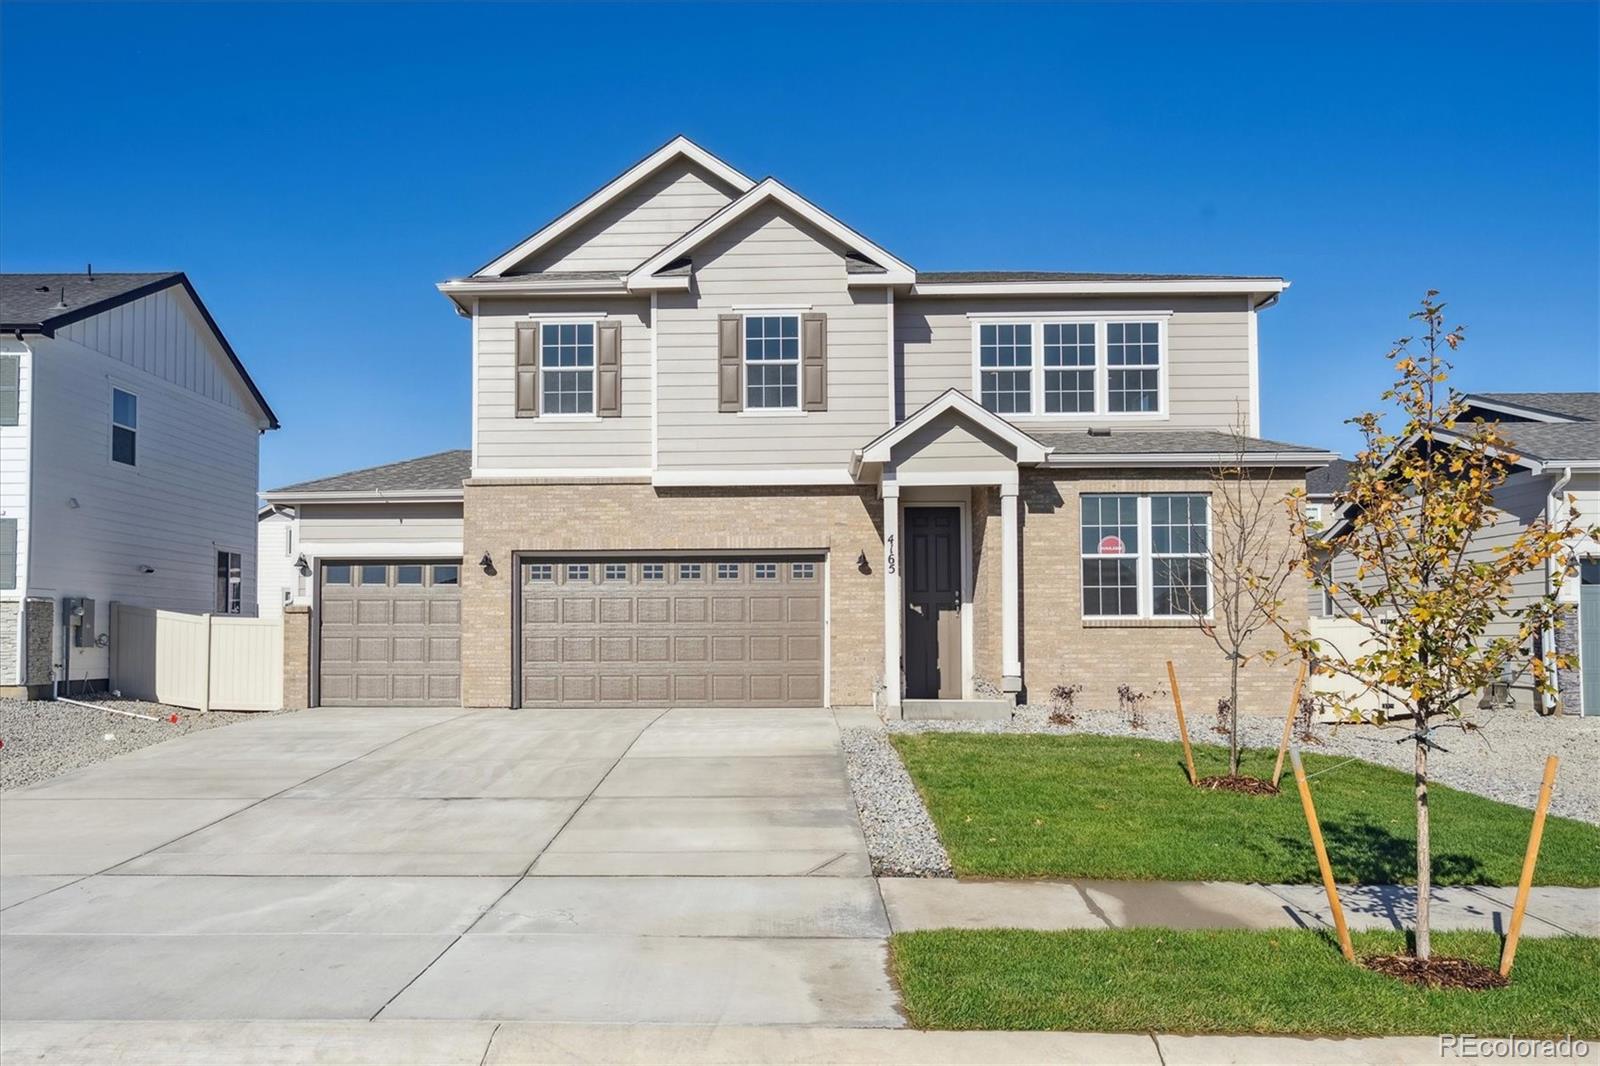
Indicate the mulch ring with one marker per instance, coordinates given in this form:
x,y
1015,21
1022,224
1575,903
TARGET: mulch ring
x,y
1250,786
1437,972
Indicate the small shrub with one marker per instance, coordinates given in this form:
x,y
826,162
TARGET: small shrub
x,y
1063,698
1224,717
1130,701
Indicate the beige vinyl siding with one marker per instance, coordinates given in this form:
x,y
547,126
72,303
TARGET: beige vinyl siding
x,y
770,258
640,223
329,528
507,443
1208,353
15,448
949,444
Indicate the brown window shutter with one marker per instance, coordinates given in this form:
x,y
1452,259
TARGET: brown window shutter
x,y
608,365
814,360
527,369
730,362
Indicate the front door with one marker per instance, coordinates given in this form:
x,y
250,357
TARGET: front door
x,y
933,603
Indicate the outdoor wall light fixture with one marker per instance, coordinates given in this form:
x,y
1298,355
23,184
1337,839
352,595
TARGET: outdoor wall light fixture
x,y
302,566
862,564
487,564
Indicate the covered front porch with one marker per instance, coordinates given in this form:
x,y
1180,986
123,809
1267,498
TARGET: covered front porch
x,y
935,471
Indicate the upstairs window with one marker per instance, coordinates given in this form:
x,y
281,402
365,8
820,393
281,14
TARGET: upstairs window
x,y
230,582
1005,367
1133,359
772,362
1069,361
124,427
566,359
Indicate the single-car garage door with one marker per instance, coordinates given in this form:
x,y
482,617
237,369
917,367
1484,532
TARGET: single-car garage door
x,y
390,633
679,631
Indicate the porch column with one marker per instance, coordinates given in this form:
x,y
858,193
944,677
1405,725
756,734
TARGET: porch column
x,y
1010,637
891,593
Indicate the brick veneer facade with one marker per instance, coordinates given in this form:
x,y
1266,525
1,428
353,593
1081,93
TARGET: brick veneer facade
x,y
503,517
1059,647
296,657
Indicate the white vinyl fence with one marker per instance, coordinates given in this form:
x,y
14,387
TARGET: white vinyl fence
x,y
207,662
1341,637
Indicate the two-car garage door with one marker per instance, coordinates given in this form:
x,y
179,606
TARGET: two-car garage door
x,y
390,634
687,631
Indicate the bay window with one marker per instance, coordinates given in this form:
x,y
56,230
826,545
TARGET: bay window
x,y
1146,556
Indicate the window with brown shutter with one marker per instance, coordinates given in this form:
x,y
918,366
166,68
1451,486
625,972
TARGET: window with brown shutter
x,y
730,362
527,370
814,360
608,367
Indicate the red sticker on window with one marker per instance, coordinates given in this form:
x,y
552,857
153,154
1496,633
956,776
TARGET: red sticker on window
x,y
1112,545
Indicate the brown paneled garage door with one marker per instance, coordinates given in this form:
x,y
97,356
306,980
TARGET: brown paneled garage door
x,y
390,633
701,631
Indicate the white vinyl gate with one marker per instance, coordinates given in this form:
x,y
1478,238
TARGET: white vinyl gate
x,y
206,662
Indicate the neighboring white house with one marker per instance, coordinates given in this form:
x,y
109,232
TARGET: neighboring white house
x,y
129,434
277,537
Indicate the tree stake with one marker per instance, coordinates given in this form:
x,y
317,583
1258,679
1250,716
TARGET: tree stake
x,y
1525,886
1288,724
1322,858
1183,730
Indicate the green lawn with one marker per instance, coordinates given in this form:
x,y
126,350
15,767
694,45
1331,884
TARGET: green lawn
x,y
1233,981
1105,807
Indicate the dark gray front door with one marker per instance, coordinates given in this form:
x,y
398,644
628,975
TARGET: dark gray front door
x,y
707,630
933,603
389,633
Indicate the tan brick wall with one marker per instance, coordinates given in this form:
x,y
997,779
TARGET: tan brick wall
x,y
296,657
506,517
1058,647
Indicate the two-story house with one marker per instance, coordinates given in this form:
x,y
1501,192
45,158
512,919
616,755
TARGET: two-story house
x,y
726,449
129,435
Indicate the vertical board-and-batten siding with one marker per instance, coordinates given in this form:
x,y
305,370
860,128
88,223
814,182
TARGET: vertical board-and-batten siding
x,y
1208,352
568,442
638,224
14,451
192,493
771,259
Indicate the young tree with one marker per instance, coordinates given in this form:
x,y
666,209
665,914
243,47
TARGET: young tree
x,y
1421,585
1250,560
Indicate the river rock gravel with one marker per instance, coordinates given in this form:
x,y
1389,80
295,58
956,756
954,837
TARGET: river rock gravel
x,y
40,739
900,835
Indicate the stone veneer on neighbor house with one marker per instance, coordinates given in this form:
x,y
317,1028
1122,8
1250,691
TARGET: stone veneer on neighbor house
x,y
1059,647
503,517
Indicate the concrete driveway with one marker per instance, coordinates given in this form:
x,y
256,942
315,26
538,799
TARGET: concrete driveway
x,y
692,867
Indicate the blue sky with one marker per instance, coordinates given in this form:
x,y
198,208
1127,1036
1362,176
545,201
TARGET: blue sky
x,y
317,168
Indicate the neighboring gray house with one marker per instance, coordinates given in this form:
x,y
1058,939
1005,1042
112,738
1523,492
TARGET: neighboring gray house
x,y
128,462
1557,439
728,450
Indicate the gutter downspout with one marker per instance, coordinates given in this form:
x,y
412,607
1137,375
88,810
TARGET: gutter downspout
x,y
1553,504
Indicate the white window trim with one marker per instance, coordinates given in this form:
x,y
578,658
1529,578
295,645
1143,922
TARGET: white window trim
x,y
799,408
593,414
1102,367
1144,562
113,425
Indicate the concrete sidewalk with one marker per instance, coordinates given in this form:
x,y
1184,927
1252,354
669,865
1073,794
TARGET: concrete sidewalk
x,y
446,1043
942,903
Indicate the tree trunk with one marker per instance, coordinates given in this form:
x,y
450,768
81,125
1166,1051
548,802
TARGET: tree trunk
x,y
1424,854
1233,715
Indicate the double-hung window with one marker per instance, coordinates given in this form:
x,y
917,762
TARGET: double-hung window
x,y
1071,365
1005,367
124,427
772,362
1146,556
566,361
230,582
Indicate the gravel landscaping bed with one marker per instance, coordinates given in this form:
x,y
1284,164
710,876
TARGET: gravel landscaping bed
x,y
1503,760
900,835
40,739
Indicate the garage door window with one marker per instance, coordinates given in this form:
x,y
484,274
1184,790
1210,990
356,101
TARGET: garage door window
x,y
616,571
540,572
374,575
727,571
655,572
336,574
577,571
766,571
805,571
688,571
408,575
447,575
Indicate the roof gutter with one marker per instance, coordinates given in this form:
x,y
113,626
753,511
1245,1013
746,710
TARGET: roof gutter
x,y
1290,460
293,496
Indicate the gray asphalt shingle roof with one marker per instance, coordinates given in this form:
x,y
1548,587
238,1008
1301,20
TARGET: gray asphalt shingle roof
x,y
1582,405
954,276
1549,441
441,472
1164,442
1329,479
28,301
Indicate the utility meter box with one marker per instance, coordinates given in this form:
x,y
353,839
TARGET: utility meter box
x,y
79,614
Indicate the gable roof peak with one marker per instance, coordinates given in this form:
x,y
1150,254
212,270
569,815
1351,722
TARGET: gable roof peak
x,y
679,147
